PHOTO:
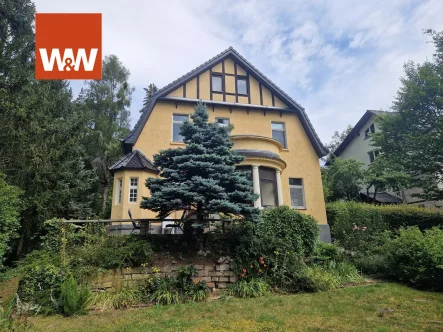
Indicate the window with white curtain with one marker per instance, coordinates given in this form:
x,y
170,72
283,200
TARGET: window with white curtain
x,y
297,193
177,122
217,83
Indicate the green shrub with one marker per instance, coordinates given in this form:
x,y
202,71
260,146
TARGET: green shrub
x,y
355,226
374,265
330,276
10,207
248,289
416,258
172,290
343,215
73,297
40,286
113,252
274,247
300,230
326,252
114,300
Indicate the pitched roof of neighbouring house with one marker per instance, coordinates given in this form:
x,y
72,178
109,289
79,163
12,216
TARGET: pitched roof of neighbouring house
x,y
135,160
259,76
385,198
355,131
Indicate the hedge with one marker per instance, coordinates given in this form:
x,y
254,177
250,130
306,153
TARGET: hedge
x,y
395,216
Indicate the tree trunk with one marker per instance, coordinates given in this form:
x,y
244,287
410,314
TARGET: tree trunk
x,y
105,188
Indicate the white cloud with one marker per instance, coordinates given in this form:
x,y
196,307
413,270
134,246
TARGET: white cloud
x,y
336,58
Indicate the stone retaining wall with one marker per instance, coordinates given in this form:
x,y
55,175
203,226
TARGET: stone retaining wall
x,y
217,275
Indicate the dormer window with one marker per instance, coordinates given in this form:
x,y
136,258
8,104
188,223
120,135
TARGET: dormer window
x,y
217,83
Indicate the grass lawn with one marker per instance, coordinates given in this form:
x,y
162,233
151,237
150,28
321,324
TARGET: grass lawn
x,y
377,307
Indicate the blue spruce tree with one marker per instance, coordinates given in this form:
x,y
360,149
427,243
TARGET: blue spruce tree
x,y
201,176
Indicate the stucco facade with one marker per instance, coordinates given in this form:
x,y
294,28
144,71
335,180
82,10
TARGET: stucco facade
x,y
251,114
358,145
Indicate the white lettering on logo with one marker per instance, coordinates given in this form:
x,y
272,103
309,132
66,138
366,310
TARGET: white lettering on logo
x,y
68,63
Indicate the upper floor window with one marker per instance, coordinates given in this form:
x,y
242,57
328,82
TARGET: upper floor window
x,y
242,86
297,193
373,155
370,131
177,121
118,199
217,83
222,122
133,190
279,132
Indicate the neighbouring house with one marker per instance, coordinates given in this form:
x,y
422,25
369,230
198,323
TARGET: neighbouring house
x,y
358,145
271,130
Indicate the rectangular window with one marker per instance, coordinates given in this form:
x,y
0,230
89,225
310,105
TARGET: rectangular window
x,y
279,132
217,83
297,193
373,155
369,131
133,190
119,191
222,122
177,121
242,86
268,187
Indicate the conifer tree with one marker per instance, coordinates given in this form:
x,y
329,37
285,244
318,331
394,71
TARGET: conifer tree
x,y
202,176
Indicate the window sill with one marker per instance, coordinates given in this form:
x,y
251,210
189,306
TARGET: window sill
x,y
285,149
177,143
299,208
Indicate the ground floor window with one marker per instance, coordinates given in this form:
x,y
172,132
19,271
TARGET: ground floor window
x,y
297,193
119,190
268,187
133,190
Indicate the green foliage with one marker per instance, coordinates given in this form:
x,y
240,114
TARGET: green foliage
x,y
172,290
355,226
274,247
123,299
202,175
416,258
325,252
348,219
342,179
73,297
149,92
113,252
330,276
106,104
411,136
10,206
251,288
40,286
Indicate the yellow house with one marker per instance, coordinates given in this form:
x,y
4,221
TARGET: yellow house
x,y
271,130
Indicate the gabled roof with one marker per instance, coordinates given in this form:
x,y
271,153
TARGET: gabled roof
x,y
355,131
259,76
135,160
383,198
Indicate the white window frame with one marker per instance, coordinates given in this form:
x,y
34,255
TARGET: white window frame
x,y
223,125
302,186
370,130
132,187
285,145
172,125
373,153
119,193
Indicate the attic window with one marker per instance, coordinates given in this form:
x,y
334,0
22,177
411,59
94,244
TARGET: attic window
x,y
369,131
242,87
217,83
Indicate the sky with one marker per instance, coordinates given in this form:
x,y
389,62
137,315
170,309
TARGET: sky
x,y
336,58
